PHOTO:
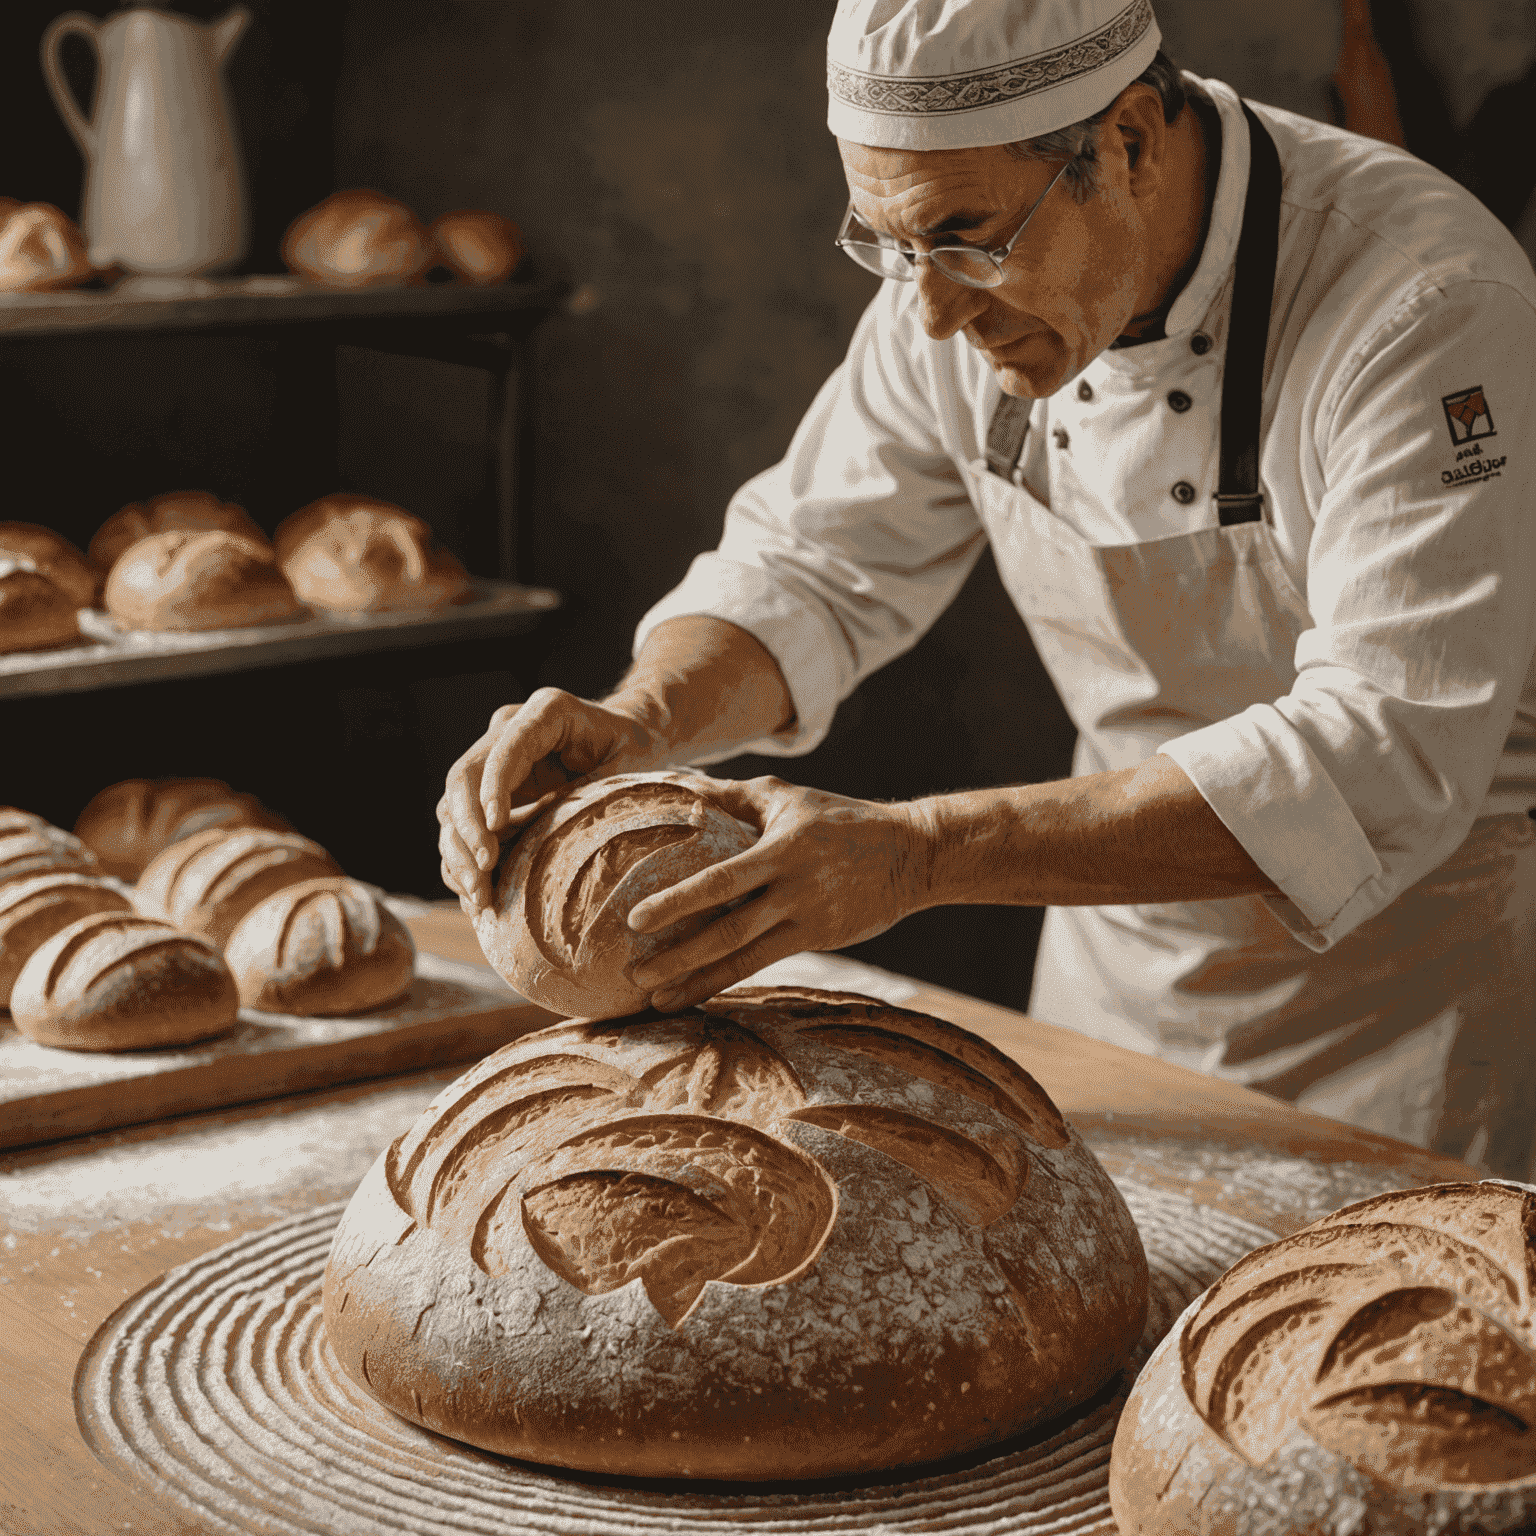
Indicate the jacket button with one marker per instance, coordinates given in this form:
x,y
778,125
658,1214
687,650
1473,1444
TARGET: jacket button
x,y
1084,390
1179,400
1183,492
1060,438
1200,343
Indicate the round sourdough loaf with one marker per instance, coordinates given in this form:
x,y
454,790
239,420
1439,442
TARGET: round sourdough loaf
x,y
55,557
118,981
192,581
27,851
32,911
558,924
322,947
207,882
479,247
358,239
36,613
186,511
788,1234
314,515
126,824
368,561
1374,1372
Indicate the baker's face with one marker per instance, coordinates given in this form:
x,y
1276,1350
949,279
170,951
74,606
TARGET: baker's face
x,y
1073,281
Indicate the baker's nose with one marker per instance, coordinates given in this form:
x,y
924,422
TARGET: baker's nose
x,y
948,306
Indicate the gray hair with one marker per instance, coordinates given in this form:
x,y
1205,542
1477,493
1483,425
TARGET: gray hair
x,y
1078,143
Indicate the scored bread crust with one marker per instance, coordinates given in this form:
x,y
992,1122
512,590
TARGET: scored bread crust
x,y
55,557
557,928
790,1234
128,823
36,614
1381,1361
184,580
117,981
358,238
370,561
32,911
207,882
479,247
314,515
323,947
28,851
188,511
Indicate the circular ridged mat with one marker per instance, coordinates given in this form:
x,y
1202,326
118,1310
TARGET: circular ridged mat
x,y
217,1388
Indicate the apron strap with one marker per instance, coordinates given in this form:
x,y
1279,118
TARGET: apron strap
x,y
1238,497
1005,435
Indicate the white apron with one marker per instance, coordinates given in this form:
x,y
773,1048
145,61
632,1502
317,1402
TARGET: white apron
x,y
1421,1023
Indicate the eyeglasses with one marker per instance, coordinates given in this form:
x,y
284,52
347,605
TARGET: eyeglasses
x,y
966,264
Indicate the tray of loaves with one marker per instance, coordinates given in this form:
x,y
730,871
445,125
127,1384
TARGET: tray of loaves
x,y
186,584
189,950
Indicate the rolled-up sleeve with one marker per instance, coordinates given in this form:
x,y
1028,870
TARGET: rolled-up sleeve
x,y
1421,581
841,556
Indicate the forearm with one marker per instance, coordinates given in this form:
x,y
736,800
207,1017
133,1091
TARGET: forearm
x,y
702,685
1139,835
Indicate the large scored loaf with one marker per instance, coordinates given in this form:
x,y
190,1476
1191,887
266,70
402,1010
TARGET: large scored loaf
x,y
207,882
34,847
118,981
32,911
558,924
1374,1373
193,581
789,1234
321,947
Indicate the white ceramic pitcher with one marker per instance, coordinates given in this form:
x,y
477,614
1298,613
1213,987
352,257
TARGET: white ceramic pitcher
x,y
164,182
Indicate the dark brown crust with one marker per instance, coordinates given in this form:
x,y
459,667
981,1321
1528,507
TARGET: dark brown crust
x,y
36,614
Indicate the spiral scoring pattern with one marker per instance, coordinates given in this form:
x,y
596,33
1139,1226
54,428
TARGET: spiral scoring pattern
x,y
217,1387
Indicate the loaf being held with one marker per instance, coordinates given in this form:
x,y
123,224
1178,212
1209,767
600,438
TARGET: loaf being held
x,y
558,924
55,557
1379,1364
28,850
789,1234
118,981
479,247
322,947
32,911
196,581
358,239
189,511
126,824
36,614
365,561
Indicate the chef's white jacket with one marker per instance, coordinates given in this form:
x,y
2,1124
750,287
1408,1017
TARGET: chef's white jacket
x,y
1399,468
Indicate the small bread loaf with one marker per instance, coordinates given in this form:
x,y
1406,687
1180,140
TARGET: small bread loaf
x,y
310,518
30,850
365,561
358,239
558,924
1381,1362
193,581
118,981
55,557
207,882
36,614
32,911
791,1234
126,824
322,947
480,248
191,511
41,249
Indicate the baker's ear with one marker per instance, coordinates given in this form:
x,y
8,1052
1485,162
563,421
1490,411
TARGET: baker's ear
x,y
1137,113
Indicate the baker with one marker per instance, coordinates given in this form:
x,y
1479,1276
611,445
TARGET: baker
x,y
1244,406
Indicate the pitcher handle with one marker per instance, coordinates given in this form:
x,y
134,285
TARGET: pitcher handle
x,y
227,31
81,24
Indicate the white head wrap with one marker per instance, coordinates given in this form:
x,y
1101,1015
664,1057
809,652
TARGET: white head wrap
x,y
957,74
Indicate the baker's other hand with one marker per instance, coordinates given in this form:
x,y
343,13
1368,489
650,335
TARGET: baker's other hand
x,y
528,751
826,871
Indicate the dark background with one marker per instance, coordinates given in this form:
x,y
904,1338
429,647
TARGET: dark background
x,y
671,165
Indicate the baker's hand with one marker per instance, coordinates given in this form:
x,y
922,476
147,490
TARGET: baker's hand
x,y
826,871
529,751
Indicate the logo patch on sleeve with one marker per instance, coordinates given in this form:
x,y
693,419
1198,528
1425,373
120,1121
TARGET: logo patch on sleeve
x,y
1467,415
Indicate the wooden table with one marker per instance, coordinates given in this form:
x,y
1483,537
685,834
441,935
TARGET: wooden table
x,y
86,1223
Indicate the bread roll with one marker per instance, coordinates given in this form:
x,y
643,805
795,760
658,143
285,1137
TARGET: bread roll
x,y
26,851
126,824
41,248
322,947
557,927
207,882
365,561
14,819
55,557
792,1234
118,981
1380,1363
478,247
32,911
298,526
358,239
193,581
192,511
36,614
